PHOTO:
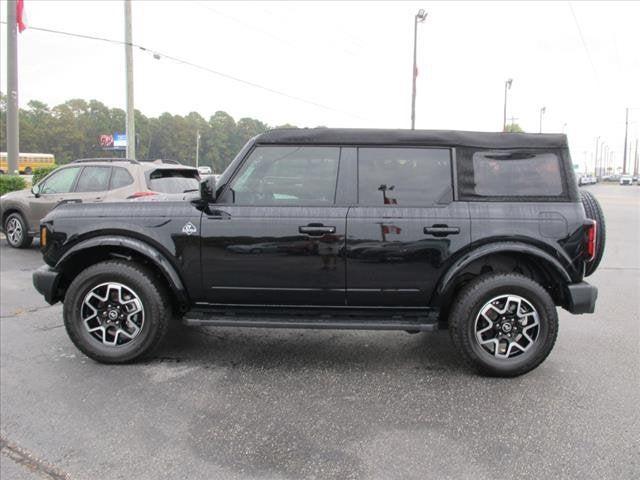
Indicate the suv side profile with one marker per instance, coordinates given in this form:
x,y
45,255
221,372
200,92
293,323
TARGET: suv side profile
x,y
483,233
91,180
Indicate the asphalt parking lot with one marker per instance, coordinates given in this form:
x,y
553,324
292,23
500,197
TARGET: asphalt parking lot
x,y
280,404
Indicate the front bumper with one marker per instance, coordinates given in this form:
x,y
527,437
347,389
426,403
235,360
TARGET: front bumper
x,y
581,298
46,280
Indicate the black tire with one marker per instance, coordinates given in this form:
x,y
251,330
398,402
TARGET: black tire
x,y
15,240
156,310
28,171
467,306
594,212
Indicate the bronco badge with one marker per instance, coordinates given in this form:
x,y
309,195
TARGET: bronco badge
x,y
189,228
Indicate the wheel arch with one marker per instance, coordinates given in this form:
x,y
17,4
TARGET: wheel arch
x,y
96,249
505,257
13,208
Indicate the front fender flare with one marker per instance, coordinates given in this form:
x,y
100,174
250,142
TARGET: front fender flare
x,y
139,246
501,247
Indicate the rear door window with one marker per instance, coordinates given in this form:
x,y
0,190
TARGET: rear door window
x,y
168,180
404,176
516,173
94,179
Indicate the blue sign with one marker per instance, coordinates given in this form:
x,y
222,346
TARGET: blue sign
x,y
120,140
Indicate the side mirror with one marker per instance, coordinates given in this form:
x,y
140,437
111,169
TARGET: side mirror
x,y
36,190
208,189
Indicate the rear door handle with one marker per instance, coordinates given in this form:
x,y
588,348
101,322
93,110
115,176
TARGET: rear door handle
x,y
441,230
316,229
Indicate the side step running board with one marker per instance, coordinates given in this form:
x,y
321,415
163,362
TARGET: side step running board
x,y
202,318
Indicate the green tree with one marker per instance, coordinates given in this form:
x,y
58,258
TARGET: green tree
x,y
513,128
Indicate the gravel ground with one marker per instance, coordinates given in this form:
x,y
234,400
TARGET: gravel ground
x,y
285,404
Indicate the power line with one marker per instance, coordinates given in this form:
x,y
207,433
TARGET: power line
x,y
157,55
584,43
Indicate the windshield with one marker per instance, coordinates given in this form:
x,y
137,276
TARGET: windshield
x,y
173,181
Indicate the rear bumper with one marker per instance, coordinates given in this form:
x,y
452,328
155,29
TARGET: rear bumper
x,y
581,298
46,281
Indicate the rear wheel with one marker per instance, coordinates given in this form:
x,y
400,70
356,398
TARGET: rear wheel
x,y
116,311
28,171
594,212
504,325
16,231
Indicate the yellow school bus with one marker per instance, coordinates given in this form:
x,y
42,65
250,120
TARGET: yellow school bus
x,y
27,162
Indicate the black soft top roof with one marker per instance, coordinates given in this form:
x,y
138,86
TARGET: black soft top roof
x,y
366,136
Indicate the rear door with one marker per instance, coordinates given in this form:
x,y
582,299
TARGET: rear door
x,y
92,184
405,226
275,236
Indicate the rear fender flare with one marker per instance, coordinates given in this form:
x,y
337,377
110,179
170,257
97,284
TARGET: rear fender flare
x,y
502,247
151,253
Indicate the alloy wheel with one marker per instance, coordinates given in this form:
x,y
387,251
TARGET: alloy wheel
x,y
507,326
113,314
14,231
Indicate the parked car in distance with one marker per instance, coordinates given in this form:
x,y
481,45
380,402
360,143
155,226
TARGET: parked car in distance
x,y
90,181
587,180
626,180
204,170
483,233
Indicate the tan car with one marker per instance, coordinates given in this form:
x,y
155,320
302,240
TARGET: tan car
x,y
90,180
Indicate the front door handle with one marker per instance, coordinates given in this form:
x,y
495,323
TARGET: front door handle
x,y
316,229
441,230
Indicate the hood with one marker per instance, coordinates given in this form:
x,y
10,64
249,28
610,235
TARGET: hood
x,y
17,195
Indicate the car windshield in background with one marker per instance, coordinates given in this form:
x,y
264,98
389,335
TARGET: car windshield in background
x,y
173,181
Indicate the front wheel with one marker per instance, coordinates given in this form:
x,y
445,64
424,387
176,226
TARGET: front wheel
x,y
16,231
116,311
504,325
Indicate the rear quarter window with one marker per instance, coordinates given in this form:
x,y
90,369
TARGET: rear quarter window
x,y
511,174
173,181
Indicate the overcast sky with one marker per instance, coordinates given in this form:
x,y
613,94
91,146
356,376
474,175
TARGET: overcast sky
x,y
354,59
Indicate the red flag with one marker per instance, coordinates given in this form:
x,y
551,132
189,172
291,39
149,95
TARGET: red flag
x,y
20,15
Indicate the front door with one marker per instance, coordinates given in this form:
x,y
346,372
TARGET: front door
x,y
53,190
404,228
275,235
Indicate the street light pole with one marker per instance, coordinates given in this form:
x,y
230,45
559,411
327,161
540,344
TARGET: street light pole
x,y
13,145
507,86
419,17
542,112
626,132
128,52
595,158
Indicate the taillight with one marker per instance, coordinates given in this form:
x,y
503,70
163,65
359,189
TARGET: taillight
x,y
592,229
147,193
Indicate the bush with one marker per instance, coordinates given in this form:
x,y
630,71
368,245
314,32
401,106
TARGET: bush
x,y
11,183
41,172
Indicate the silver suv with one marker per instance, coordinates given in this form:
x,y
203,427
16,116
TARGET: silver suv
x,y
89,181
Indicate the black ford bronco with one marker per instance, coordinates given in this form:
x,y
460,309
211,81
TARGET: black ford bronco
x,y
483,233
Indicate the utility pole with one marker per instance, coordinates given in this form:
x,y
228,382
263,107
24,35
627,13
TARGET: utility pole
x,y
507,86
13,142
419,17
542,111
197,147
626,131
128,53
